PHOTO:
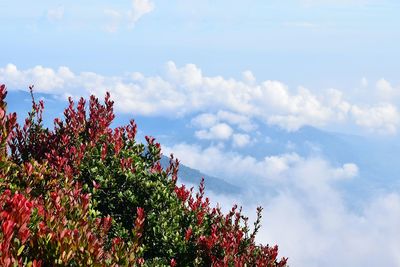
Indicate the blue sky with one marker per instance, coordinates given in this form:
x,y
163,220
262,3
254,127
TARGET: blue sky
x,y
297,102
283,40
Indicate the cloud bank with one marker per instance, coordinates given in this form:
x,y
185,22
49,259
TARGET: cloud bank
x,y
187,91
305,211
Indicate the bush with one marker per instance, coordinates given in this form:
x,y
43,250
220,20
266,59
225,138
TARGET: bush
x,y
84,194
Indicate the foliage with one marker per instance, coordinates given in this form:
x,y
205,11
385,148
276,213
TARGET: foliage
x,y
86,194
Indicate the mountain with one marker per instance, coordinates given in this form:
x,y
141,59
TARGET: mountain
x,y
193,177
378,158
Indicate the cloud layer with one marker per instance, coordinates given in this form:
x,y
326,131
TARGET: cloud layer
x,y
187,91
305,211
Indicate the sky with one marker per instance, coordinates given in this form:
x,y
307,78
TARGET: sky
x,y
296,102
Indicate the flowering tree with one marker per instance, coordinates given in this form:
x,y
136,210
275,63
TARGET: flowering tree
x,y
84,193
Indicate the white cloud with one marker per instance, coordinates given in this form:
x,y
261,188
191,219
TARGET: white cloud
x,y
243,122
117,18
349,170
385,89
217,127
55,13
320,230
220,131
291,111
383,118
241,140
205,120
306,215
47,79
186,90
139,9
213,160
208,120
188,76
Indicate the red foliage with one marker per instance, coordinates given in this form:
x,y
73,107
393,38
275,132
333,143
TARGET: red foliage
x,y
227,242
15,213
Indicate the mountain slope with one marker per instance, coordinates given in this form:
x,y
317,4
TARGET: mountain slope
x,y
193,176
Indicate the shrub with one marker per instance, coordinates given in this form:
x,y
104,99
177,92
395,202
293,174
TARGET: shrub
x,y
84,193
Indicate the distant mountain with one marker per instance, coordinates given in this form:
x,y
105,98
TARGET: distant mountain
x,y
193,176
378,158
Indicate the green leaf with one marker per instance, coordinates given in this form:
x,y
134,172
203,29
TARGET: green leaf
x,y
20,250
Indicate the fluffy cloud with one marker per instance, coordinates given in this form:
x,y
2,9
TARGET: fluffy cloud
x,y
216,126
186,90
205,120
307,214
220,131
349,170
243,122
215,161
241,140
383,118
320,230
46,79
